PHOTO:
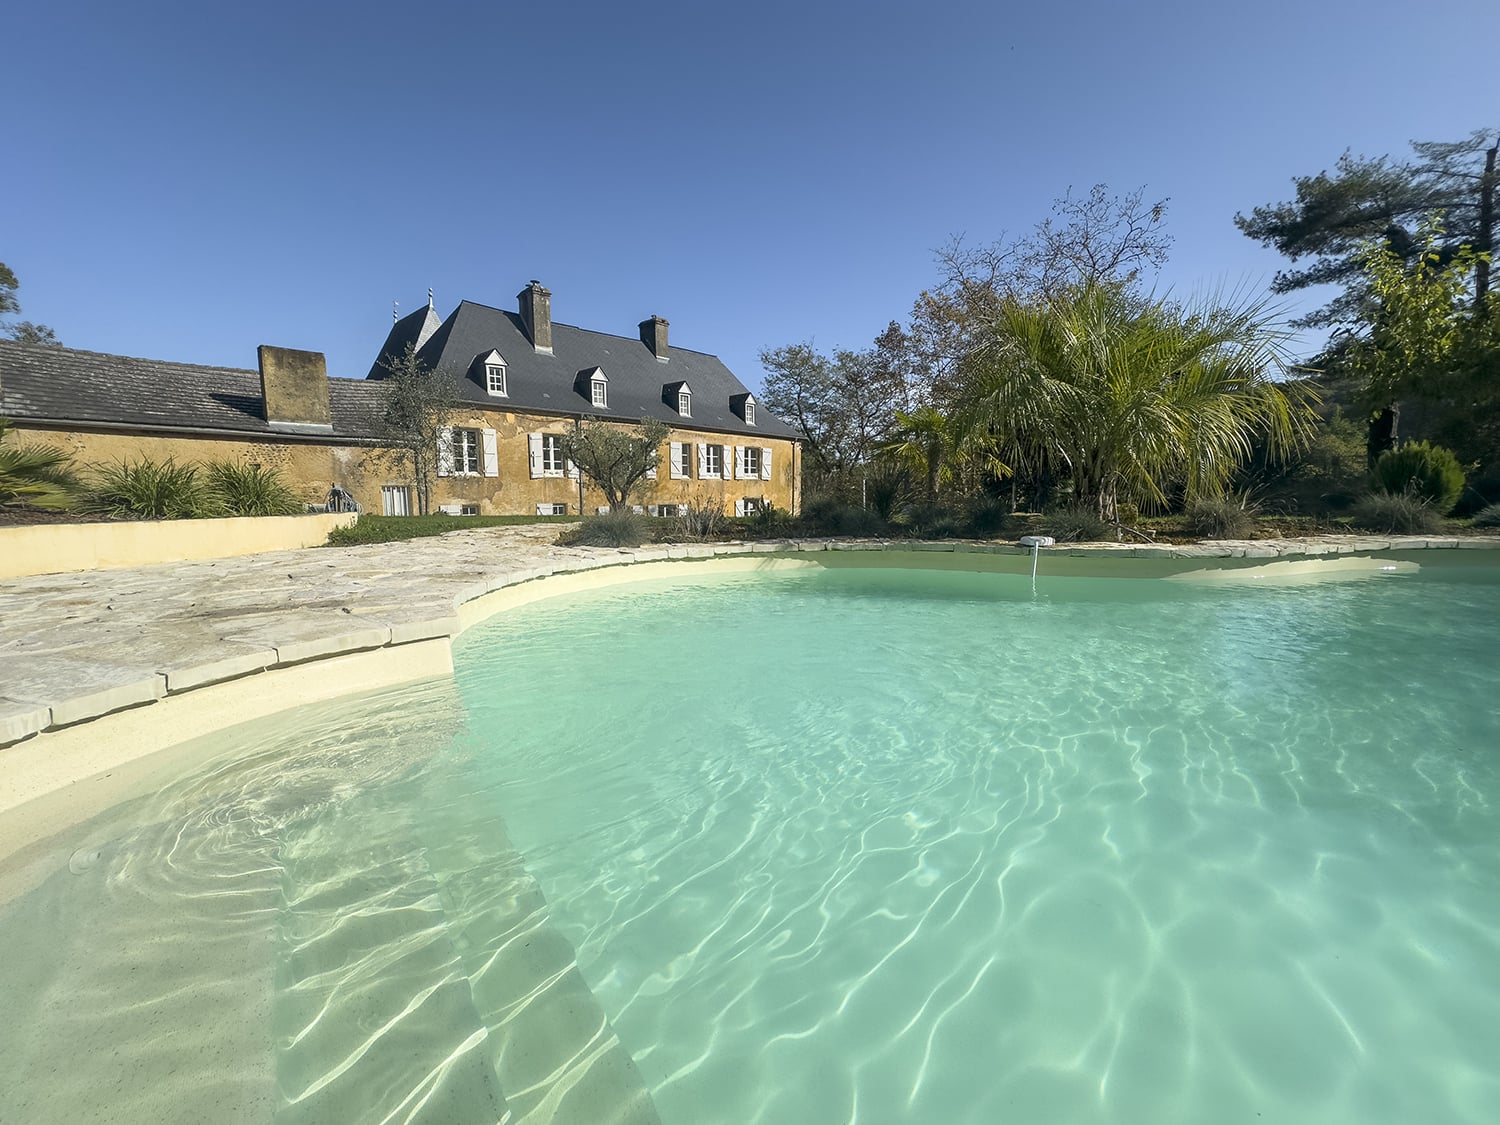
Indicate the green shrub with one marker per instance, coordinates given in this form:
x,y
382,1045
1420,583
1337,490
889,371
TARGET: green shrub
x,y
622,528
1220,517
1426,472
1395,514
829,517
394,529
35,476
1488,517
769,521
147,489
989,518
1076,524
243,489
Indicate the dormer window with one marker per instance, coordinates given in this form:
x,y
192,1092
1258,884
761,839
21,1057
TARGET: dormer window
x,y
489,369
678,396
593,385
744,406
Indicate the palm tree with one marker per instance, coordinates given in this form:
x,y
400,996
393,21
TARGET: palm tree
x,y
35,476
1128,395
927,443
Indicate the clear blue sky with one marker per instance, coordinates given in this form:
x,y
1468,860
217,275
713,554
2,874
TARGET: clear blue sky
x,y
186,181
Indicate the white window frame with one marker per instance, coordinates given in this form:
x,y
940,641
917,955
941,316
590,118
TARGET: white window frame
x,y
551,509
599,393
466,456
494,380
553,461
685,403
749,412
712,454
749,466
388,499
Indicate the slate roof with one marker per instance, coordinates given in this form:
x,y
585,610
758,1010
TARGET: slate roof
x,y
64,385
548,384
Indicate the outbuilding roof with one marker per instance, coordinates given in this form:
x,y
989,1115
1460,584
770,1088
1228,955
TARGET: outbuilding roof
x,y
65,385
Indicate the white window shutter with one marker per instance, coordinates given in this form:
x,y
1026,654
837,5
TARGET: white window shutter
x,y
679,460
543,509
731,468
637,509
445,451
702,459
534,443
491,453
602,510
739,506
765,463
572,469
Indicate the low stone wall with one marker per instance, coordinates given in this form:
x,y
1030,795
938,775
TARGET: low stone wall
x,y
61,548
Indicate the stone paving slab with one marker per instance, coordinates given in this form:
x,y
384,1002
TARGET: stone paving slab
x,y
75,646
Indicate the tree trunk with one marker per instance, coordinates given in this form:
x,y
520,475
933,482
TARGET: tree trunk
x,y
1486,242
1383,433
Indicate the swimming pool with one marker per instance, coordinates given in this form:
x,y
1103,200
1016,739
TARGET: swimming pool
x,y
830,845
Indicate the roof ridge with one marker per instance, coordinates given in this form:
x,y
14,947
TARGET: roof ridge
x,y
137,358
581,328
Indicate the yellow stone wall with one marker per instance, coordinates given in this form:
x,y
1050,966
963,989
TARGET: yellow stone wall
x,y
313,467
515,492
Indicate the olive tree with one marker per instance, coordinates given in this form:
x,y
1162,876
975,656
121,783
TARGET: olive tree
x,y
616,459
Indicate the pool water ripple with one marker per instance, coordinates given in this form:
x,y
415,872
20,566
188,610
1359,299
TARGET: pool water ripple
x,y
1126,857
865,847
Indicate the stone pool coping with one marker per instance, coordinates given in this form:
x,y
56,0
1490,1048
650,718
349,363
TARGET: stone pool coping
x,y
105,667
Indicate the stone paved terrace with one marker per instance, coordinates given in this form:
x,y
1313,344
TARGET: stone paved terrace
x,y
77,646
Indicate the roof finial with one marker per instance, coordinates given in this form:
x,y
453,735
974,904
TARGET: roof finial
x,y
429,296
395,314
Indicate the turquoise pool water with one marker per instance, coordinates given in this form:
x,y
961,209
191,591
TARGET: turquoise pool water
x,y
831,846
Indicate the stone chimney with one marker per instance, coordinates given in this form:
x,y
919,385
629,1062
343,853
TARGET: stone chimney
x,y
536,314
294,390
654,336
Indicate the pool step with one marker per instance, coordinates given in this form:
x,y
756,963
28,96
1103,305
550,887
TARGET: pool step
x,y
136,983
557,1057
373,1015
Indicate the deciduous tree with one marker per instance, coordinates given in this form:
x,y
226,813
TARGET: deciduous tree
x,y
415,407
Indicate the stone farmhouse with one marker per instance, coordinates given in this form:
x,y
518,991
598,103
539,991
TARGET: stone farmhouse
x,y
522,381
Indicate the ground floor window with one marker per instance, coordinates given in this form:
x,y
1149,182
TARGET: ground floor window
x,y
466,452
664,509
395,500
551,509
552,454
752,504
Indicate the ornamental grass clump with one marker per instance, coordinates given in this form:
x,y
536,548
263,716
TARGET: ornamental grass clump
x,y
1077,523
1427,472
1220,517
244,489
147,489
1395,514
1488,517
619,528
